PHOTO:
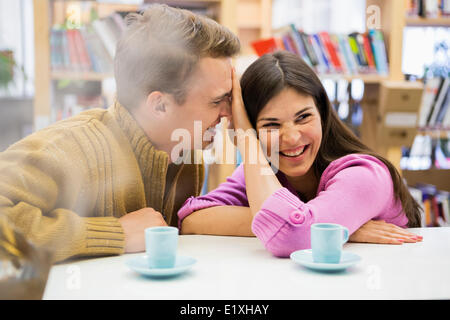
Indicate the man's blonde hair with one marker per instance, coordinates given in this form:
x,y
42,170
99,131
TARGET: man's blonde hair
x,y
160,49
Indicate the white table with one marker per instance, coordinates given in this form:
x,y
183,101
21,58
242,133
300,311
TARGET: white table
x,y
240,268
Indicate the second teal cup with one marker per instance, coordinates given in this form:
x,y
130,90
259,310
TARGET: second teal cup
x,y
326,242
161,246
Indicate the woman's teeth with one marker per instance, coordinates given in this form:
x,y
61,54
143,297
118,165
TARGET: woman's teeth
x,y
295,153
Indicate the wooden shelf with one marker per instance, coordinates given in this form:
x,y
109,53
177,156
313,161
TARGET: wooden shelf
x,y
438,177
86,76
419,21
435,133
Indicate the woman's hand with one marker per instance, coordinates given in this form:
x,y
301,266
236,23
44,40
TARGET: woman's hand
x,y
383,232
239,114
242,133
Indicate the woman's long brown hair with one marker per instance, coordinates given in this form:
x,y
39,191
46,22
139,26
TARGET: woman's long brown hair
x,y
271,73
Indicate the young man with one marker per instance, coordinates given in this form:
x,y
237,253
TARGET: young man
x,y
91,184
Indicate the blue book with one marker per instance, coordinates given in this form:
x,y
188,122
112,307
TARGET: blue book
x,y
379,51
318,43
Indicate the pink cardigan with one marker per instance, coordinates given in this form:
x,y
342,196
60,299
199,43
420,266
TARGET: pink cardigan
x,y
352,190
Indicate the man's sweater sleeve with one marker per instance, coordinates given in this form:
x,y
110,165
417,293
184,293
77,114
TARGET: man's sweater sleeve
x,y
42,194
351,196
230,193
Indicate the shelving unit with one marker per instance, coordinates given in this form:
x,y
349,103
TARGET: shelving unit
x,y
393,20
250,19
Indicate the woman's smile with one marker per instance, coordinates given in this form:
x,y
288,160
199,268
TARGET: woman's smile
x,y
295,154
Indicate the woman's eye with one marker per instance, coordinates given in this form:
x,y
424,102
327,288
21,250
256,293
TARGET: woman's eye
x,y
302,117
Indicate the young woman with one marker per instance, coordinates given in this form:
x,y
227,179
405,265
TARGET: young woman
x,y
325,173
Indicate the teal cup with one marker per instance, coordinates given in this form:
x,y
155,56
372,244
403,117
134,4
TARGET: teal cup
x,y
326,242
161,246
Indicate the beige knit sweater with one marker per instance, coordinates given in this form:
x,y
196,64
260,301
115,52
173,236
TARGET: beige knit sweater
x,y
66,186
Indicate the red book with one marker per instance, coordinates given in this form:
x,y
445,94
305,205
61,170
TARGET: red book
x,y
83,56
435,211
368,52
265,46
329,46
73,51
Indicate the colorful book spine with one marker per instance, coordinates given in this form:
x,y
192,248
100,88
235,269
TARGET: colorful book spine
x,y
287,43
298,43
73,51
309,49
379,50
85,61
369,53
347,54
316,40
331,49
89,48
321,66
333,53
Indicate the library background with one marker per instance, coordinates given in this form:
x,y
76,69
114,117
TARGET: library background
x,y
384,63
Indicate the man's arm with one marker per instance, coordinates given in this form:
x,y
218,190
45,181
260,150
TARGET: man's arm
x,y
47,192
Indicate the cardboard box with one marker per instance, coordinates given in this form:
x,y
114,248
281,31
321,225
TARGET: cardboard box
x,y
400,96
396,136
399,106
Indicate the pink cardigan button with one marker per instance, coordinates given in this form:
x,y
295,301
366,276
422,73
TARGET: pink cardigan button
x,y
297,217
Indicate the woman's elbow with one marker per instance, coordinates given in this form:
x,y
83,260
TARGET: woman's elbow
x,y
287,241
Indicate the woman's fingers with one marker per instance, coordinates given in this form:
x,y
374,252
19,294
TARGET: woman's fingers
x,y
236,94
395,231
239,114
384,233
399,236
374,237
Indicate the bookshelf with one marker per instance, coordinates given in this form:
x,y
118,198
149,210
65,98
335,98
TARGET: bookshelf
x,y
248,18
394,18
48,13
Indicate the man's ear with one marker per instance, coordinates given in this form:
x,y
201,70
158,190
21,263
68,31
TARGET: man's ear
x,y
155,103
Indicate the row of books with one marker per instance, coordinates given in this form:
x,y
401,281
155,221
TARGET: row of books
x,y
426,152
434,110
428,8
355,53
89,48
435,205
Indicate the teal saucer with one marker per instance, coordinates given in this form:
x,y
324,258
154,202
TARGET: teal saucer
x,y
140,265
304,258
